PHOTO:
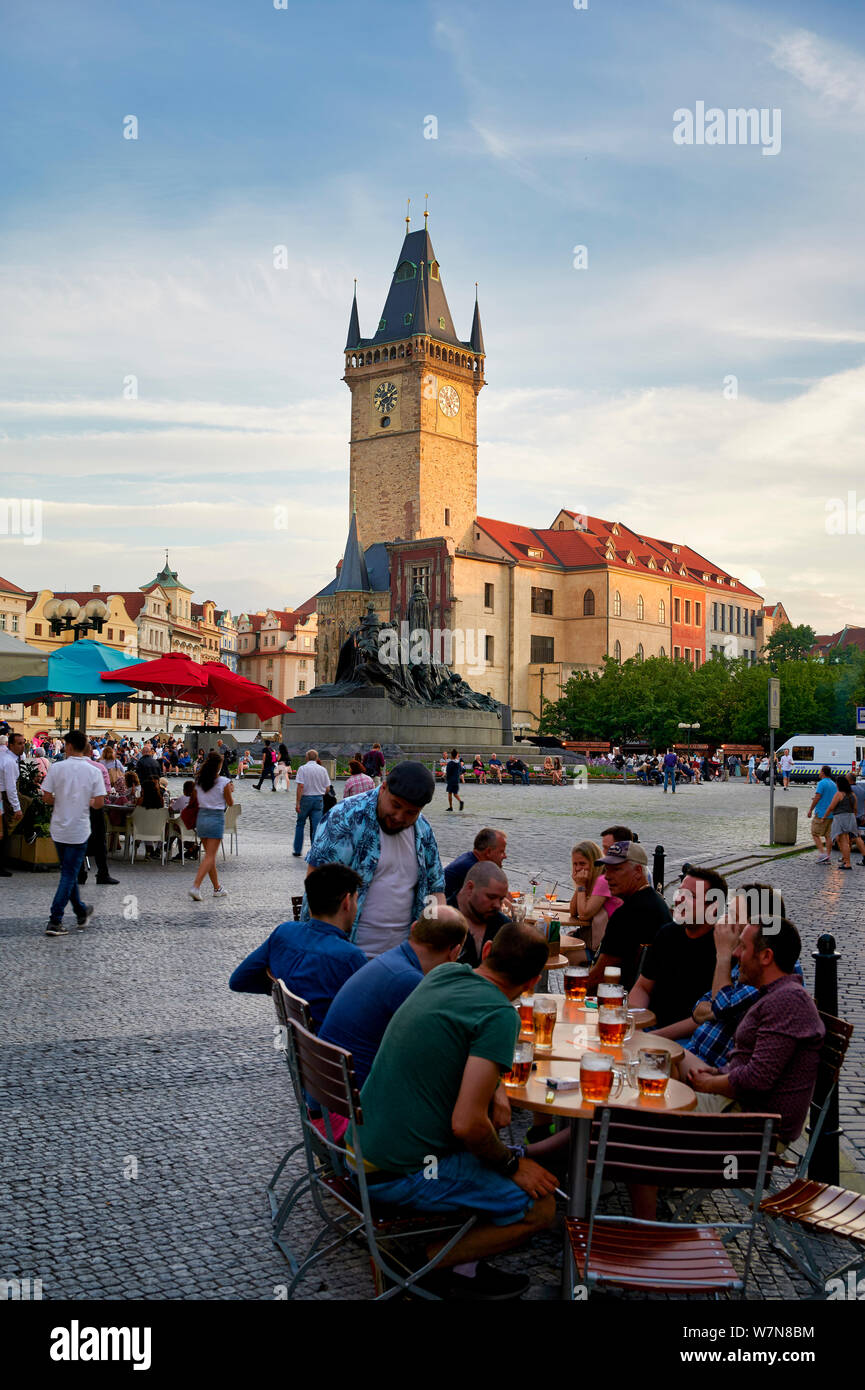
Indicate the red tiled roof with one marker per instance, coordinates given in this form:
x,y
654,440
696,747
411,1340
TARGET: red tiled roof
x,y
7,587
134,599
848,636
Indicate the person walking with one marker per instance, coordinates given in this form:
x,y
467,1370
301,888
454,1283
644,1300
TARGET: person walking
x,y
213,792
669,765
312,782
267,762
373,763
786,769
357,780
96,845
845,827
72,788
453,770
283,768
821,824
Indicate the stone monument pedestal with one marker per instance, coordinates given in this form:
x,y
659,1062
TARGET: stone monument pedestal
x,y
347,723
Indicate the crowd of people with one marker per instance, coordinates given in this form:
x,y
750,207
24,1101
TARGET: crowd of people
x,y
402,960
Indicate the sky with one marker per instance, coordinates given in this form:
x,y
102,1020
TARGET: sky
x,y
696,371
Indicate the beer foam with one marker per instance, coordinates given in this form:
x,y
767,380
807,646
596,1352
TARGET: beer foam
x,y
594,1061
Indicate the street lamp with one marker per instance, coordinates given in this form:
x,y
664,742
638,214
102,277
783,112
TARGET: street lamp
x,y
65,615
689,727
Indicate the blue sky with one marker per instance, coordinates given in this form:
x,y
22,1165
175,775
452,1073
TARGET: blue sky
x,y
304,127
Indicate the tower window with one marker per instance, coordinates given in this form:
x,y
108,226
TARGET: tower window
x,y
441,322
447,516
382,325
489,592
541,651
489,649
434,270
405,271
406,318
420,575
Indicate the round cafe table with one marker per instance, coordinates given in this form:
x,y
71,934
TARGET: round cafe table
x,y
570,1040
570,1106
569,1012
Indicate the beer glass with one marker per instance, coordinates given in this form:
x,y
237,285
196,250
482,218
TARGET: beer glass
x,y
575,983
653,1072
615,1026
521,1066
525,1010
544,1017
597,1078
612,996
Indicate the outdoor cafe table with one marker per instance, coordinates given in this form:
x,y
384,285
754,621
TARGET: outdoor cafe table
x,y
570,1041
569,1012
571,1107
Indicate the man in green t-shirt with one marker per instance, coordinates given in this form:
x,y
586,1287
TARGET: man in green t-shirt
x,y
430,1111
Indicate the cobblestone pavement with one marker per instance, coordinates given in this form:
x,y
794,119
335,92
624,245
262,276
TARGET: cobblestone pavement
x,y
145,1106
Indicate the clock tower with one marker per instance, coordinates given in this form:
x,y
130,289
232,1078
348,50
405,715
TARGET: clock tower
x,y
414,388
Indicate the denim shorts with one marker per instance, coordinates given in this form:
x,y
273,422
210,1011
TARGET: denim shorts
x,y
456,1182
210,825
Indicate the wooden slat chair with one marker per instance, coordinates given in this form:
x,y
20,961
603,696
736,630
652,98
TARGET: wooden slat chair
x,y
326,1073
801,1216
288,1006
671,1149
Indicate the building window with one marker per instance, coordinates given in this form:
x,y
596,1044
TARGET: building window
x,y
14,622
489,649
405,271
617,652
542,602
441,322
541,651
722,607
641,608
49,708
754,623
2,622
122,711
662,652
37,629
698,613
447,516
697,658
688,611
662,614
301,685
677,653
640,652
489,592
677,610
739,620
102,709
617,606
270,663
111,634
302,663
589,603
419,575
730,613
688,655
406,320
715,616
270,685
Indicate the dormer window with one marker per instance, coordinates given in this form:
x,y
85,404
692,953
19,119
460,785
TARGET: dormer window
x,y
630,558
614,529
434,270
536,554
382,325
668,568
675,549
406,318
406,270
441,321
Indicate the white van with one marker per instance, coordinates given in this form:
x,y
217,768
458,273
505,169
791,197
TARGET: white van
x,y
840,752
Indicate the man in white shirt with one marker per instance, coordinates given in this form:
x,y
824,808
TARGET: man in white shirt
x,y
786,769
72,788
313,781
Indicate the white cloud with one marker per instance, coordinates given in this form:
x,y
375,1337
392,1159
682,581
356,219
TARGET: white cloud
x,y
834,74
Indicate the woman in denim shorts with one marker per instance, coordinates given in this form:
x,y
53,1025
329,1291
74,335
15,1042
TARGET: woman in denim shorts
x,y
213,793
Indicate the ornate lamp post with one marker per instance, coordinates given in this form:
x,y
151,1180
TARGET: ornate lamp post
x,y
67,615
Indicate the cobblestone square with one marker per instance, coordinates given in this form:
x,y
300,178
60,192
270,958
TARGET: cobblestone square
x,y
145,1106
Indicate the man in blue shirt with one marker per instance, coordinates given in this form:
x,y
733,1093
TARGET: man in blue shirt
x,y
360,1013
821,825
488,845
313,958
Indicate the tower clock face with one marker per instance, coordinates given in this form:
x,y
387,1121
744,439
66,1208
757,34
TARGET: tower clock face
x,y
384,398
449,401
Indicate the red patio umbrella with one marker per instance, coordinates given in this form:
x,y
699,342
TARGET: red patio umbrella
x,y
170,677
211,685
229,690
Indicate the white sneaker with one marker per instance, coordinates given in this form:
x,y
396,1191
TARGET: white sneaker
x,y
220,892
195,894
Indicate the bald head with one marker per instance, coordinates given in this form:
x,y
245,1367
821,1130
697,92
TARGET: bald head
x,y
486,872
481,896
438,934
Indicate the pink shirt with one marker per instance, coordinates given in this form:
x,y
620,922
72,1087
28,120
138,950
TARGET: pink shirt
x,y
602,889
104,770
358,782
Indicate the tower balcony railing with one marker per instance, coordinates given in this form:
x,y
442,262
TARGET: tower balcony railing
x,y
421,348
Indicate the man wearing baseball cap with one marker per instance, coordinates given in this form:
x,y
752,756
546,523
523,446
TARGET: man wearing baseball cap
x,y
382,835
634,924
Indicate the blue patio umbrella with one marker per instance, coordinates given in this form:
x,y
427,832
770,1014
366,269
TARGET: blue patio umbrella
x,y
73,674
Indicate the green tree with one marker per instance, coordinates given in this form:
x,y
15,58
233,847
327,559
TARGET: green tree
x,y
790,643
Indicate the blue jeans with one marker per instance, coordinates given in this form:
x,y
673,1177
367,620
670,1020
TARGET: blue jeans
x,y
670,776
71,858
310,808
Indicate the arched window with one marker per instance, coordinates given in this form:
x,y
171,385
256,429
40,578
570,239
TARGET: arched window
x,y
405,271
640,652
662,652
588,596
617,604
662,614
617,652
641,608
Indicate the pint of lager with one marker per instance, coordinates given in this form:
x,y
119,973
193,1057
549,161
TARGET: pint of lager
x,y
611,992
544,1017
615,1026
597,1078
653,1072
525,1010
521,1067
575,983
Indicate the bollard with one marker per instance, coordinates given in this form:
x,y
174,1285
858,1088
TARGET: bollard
x,y
824,1160
658,868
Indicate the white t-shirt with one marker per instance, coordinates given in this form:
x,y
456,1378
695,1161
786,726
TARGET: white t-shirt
x,y
214,800
72,783
387,907
313,778
786,763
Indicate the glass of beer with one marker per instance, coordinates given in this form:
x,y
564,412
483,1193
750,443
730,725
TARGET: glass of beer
x,y
525,1010
615,1026
575,983
544,1017
597,1078
653,1072
521,1066
612,996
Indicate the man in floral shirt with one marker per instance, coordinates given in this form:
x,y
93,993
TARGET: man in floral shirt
x,y
382,835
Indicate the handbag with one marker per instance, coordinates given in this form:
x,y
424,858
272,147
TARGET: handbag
x,y
189,814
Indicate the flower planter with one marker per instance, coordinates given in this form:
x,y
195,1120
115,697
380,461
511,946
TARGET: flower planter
x,y
40,856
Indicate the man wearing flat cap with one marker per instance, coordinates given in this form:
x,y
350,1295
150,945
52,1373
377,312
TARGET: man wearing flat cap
x,y
382,835
634,924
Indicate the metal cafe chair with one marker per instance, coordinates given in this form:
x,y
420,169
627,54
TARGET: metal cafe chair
x,y
326,1073
231,816
287,1006
671,1149
147,825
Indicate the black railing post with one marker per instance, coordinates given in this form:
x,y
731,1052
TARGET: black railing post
x,y
658,868
824,1160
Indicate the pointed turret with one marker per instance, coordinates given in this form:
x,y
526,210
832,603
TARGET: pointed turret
x,y
353,339
420,313
476,340
353,576
397,318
